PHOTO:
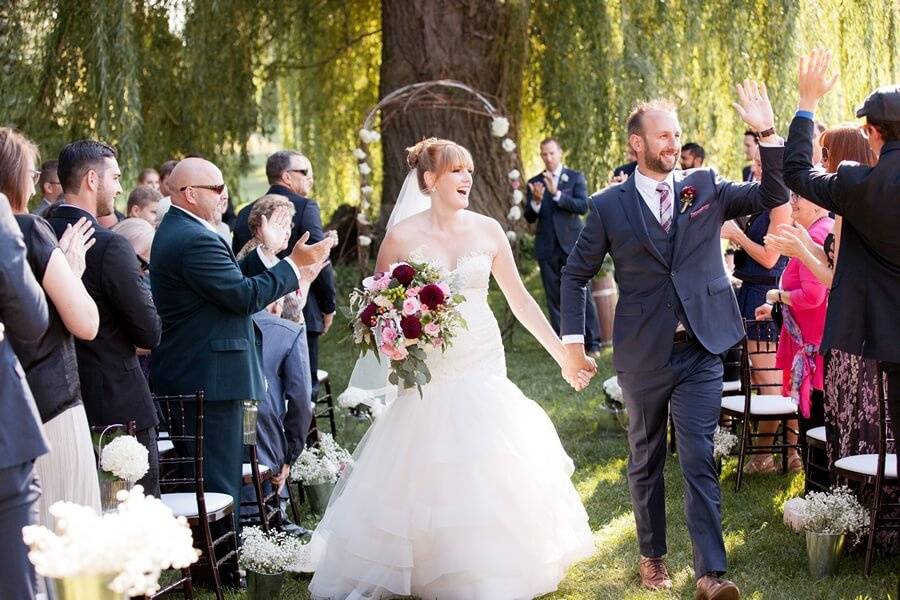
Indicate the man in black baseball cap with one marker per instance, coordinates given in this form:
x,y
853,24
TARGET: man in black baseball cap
x,y
865,293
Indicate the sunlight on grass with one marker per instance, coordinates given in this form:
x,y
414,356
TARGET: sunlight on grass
x,y
612,471
792,491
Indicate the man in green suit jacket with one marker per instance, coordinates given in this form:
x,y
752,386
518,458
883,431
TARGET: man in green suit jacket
x,y
205,303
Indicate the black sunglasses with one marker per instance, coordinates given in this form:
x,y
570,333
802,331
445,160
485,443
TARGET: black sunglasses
x,y
215,188
303,172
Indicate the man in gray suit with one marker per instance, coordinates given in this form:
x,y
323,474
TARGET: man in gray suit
x,y
23,313
676,314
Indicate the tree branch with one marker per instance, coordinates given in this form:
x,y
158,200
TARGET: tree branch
x,y
285,65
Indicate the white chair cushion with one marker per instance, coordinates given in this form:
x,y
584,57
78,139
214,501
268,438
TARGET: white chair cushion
x,y
321,375
163,446
761,405
817,433
867,464
247,470
184,504
731,386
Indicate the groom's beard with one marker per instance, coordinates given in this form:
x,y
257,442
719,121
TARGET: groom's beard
x,y
662,163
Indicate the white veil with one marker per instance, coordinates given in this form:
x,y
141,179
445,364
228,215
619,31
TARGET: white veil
x,y
369,380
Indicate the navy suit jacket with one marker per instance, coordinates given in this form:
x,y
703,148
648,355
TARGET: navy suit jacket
x,y
644,323
209,341
113,387
559,221
23,314
865,294
322,295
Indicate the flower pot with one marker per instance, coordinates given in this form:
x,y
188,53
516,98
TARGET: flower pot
x,y
109,487
824,550
264,586
318,495
86,587
605,294
250,414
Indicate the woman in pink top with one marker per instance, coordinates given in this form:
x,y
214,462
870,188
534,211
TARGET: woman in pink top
x,y
804,303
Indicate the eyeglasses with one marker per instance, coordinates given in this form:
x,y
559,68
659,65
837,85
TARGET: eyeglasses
x,y
35,176
303,172
214,188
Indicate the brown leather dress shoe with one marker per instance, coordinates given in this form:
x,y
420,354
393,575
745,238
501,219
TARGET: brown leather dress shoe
x,y
654,574
712,587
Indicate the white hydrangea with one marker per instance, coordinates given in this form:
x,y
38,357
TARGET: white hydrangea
x,y
612,389
517,196
364,169
359,153
514,174
515,213
499,126
126,458
270,553
369,136
131,545
508,145
366,190
364,241
511,236
362,219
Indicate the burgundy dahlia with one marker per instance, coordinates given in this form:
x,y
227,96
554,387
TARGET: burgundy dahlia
x,y
411,326
404,274
369,314
432,296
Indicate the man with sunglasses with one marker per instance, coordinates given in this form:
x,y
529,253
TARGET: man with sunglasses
x,y
113,388
290,175
205,301
865,293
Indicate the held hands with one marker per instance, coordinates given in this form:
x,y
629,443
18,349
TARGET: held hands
x,y
577,368
811,78
305,255
75,242
753,105
273,233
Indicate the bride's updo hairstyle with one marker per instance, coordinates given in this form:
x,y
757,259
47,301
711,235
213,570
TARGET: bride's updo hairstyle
x,y
438,156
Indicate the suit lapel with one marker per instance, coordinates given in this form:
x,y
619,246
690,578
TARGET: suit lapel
x,y
682,219
631,203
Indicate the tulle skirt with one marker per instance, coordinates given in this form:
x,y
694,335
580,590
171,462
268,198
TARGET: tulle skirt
x,y
462,494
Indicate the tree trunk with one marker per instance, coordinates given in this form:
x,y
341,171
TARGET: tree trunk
x,y
482,43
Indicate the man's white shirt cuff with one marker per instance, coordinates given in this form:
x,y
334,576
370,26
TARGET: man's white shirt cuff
x,y
572,339
535,206
557,195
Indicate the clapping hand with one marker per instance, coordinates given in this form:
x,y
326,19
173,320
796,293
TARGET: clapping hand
x,y
537,191
791,240
274,232
753,105
811,79
550,183
305,255
75,242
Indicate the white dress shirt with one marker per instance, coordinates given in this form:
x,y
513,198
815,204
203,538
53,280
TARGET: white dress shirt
x,y
556,174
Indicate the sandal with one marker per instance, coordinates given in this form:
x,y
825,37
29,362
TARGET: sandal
x,y
760,466
795,463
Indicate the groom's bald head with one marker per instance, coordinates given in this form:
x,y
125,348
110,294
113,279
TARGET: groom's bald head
x,y
655,136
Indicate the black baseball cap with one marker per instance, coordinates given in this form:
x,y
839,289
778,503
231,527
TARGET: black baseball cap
x,y
882,105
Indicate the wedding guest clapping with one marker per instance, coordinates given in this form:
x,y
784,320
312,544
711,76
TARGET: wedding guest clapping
x,y
68,472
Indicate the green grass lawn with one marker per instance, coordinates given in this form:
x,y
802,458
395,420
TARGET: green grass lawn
x,y
767,560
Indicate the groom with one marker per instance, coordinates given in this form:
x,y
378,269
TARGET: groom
x,y
676,314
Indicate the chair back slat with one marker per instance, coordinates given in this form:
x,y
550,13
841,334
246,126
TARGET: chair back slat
x,y
183,468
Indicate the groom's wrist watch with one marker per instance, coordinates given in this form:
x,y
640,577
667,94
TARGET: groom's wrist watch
x,y
766,132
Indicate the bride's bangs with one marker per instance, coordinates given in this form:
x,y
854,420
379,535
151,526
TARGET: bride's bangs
x,y
454,156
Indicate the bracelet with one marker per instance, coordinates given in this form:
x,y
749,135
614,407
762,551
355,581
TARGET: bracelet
x,y
779,297
766,132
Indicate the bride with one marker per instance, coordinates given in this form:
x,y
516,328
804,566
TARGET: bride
x,y
463,493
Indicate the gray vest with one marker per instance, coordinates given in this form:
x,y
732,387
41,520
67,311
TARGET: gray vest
x,y
665,243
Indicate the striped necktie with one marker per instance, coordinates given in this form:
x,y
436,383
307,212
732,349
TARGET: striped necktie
x,y
665,206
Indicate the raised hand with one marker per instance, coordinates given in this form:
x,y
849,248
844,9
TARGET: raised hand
x,y
304,254
812,79
550,183
537,191
75,242
274,232
753,105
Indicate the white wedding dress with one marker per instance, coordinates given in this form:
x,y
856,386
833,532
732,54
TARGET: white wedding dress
x,y
463,494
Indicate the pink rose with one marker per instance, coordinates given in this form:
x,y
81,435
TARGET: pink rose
x,y
395,353
383,282
432,329
437,342
410,306
413,292
388,335
444,288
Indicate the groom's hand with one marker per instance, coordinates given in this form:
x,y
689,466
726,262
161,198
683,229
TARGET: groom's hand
x,y
578,369
754,107
811,78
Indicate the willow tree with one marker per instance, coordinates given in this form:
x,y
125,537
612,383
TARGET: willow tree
x,y
482,44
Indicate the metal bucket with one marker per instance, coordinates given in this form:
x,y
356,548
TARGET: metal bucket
x,y
250,414
109,487
86,587
824,551
263,586
318,496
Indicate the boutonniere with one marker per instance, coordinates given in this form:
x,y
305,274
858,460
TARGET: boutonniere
x,y
564,178
688,193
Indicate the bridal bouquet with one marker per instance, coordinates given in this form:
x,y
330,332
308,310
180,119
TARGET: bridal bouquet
x,y
129,547
404,312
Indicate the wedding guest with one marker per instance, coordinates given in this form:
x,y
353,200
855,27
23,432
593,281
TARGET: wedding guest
x,y
817,158
68,472
865,293
290,175
804,302
692,156
851,392
143,203
556,199
165,202
751,152
206,302
113,388
221,227
23,314
48,185
139,234
623,172
149,177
